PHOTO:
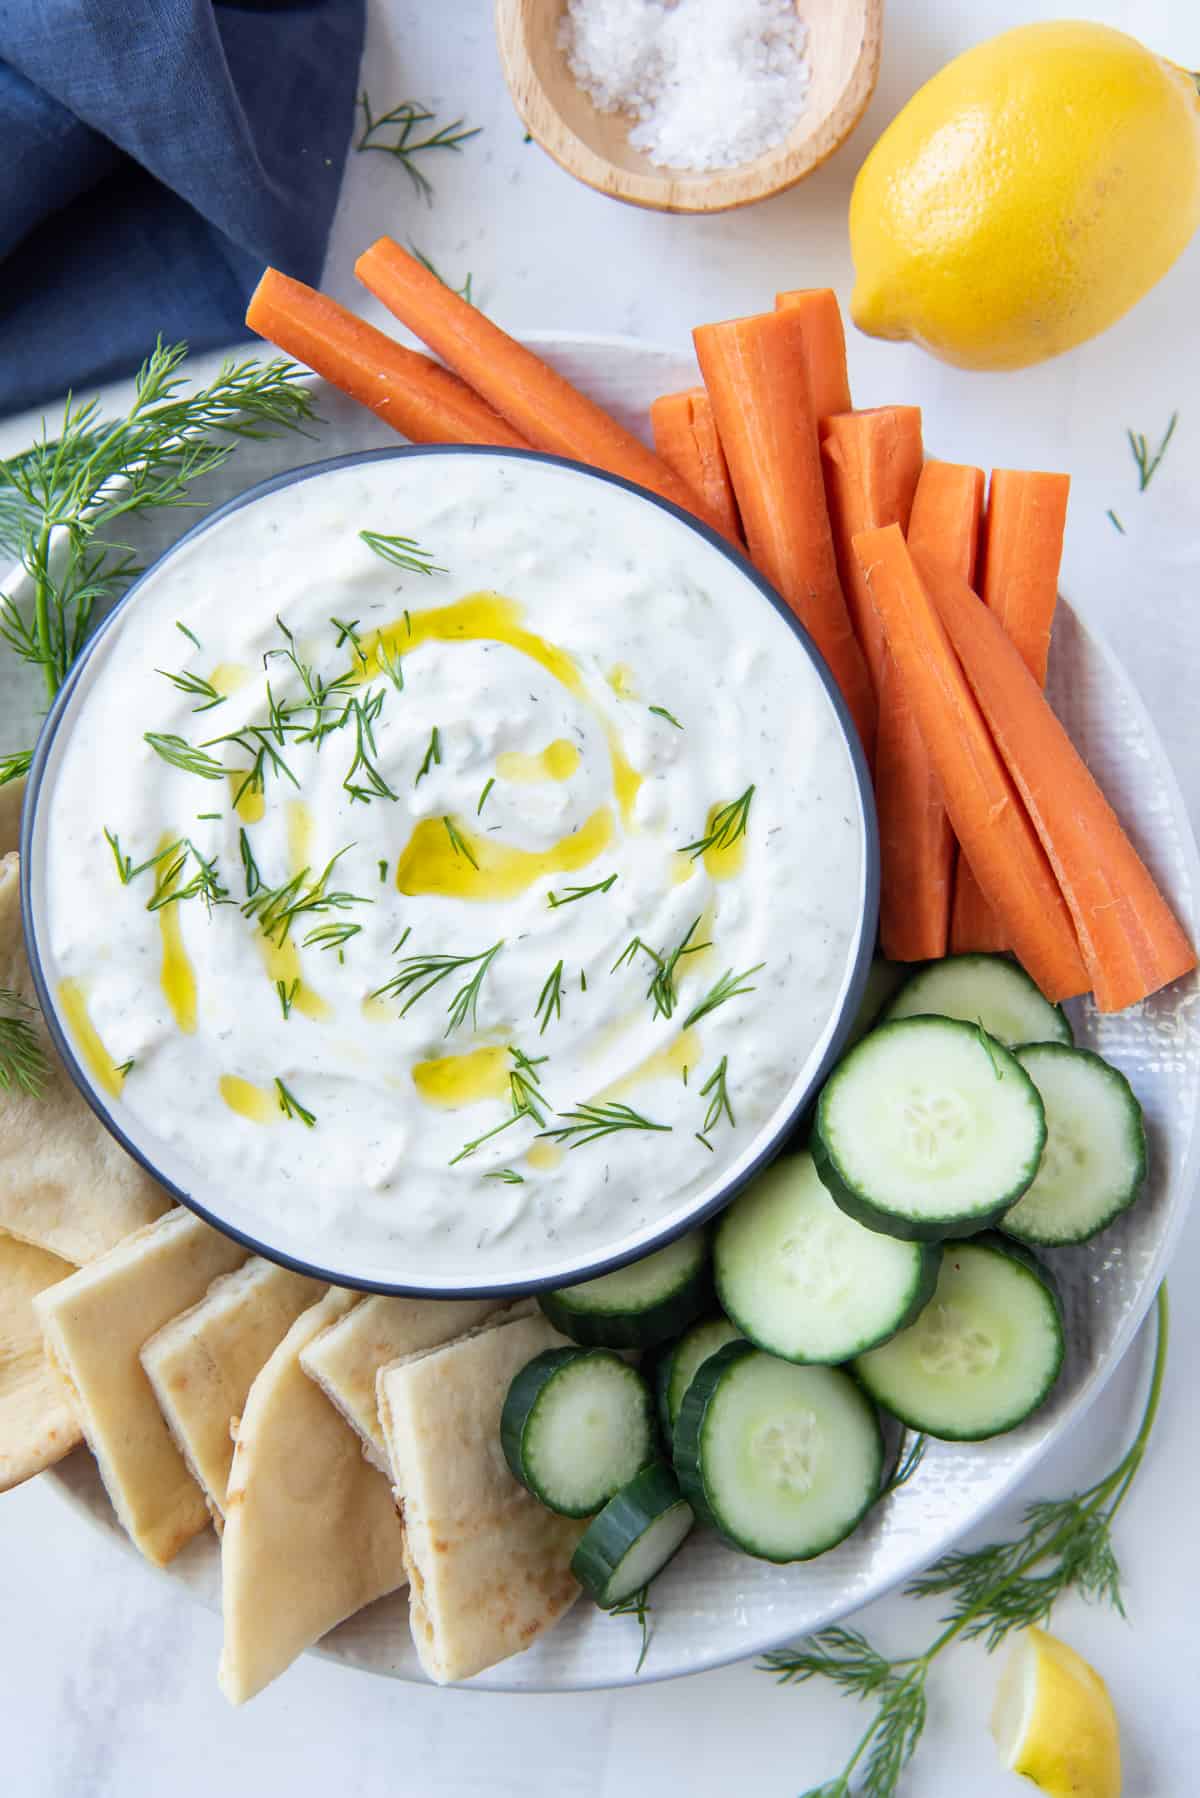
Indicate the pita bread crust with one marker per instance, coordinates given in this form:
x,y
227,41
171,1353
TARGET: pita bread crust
x,y
345,1359
38,1425
66,1185
311,1533
95,1324
11,795
202,1364
489,1567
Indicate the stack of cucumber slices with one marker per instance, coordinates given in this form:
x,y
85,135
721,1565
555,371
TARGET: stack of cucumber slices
x,y
888,1268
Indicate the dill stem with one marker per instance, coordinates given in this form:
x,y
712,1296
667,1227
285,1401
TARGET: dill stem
x,y
42,610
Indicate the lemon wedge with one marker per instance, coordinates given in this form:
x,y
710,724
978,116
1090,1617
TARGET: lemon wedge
x,y
1054,1721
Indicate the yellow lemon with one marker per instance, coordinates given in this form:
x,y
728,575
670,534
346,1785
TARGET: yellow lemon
x,y
1054,1720
1027,196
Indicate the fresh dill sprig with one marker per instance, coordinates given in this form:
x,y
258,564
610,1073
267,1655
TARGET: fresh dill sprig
x,y
660,711
365,714
196,686
15,766
988,1045
291,1107
661,991
549,1003
405,147
717,1085
125,1068
636,1605
419,974
570,894
908,1464
509,1175
489,784
463,292
383,871
588,1122
250,869
63,498
126,870
190,635
1115,521
401,552
205,883
728,824
729,986
23,1064
466,999
318,692
525,1097
184,755
332,936
259,742
287,996
458,843
1148,460
275,909
433,756
992,1591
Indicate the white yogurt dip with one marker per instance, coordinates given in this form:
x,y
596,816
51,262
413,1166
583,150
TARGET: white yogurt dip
x,y
525,1018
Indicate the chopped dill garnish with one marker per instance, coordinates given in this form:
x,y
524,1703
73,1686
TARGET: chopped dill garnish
x,y
660,711
125,1068
405,147
907,1466
197,687
571,894
636,1605
525,1096
716,1084
365,712
287,996
190,635
275,909
182,754
729,986
582,981
483,796
401,552
509,1175
291,1107
1111,515
705,1141
383,868
457,843
661,990
433,755
250,867
419,974
729,823
550,999
205,883
1148,460
125,866
332,936
206,817
587,1123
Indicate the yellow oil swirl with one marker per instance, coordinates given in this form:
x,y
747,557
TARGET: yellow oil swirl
x,y
282,962
177,976
664,1064
481,868
452,1081
248,1100
229,677
723,861
72,997
492,618
248,802
623,681
300,827
558,761
544,1155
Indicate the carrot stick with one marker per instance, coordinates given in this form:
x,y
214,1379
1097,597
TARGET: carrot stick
x,y
417,397
535,399
754,370
1131,940
685,436
915,840
872,461
979,794
1021,555
824,339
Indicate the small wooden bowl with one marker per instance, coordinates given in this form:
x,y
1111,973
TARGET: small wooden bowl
x,y
843,53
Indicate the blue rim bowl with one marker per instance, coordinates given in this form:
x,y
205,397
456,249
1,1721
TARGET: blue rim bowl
x,y
589,1268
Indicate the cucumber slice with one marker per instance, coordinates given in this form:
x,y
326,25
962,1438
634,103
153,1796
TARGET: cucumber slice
x,y
1094,1161
783,1461
633,1538
984,1352
991,990
928,1129
678,1365
576,1426
805,1281
640,1305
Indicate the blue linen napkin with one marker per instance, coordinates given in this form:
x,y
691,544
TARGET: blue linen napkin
x,y
156,155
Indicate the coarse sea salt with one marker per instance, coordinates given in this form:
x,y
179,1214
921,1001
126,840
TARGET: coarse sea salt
x,y
711,83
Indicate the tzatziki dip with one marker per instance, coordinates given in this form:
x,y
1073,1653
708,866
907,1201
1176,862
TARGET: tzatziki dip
x,y
449,870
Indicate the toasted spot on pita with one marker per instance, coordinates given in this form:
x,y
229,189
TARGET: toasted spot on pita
x,y
489,1567
37,1420
345,1359
66,1185
202,1364
311,1535
95,1324
11,795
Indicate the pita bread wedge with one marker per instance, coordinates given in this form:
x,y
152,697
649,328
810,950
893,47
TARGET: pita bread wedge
x,y
311,1533
65,1184
345,1359
37,1420
488,1567
12,794
95,1324
203,1363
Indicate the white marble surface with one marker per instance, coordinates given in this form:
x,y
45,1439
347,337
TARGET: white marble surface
x,y
106,1671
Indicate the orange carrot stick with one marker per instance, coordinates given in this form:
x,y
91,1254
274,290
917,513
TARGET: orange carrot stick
x,y
872,461
754,370
824,338
1021,554
685,436
915,840
417,397
535,399
1131,940
984,806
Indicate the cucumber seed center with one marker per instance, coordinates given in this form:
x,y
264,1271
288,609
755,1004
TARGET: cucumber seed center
x,y
935,1124
952,1344
787,1451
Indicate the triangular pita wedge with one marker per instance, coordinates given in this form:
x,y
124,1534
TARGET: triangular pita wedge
x,y
66,1185
11,795
311,1533
37,1420
203,1363
345,1359
95,1325
488,1566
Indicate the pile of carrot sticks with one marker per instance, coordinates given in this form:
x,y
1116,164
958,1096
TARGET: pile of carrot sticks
x,y
929,591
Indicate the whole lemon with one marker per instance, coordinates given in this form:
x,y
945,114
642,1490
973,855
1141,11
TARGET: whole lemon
x,y
1027,196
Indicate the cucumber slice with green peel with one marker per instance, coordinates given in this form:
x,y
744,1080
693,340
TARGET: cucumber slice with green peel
x,y
992,990
1094,1162
804,1280
928,1129
640,1305
783,1461
639,1530
983,1354
678,1365
577,1424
